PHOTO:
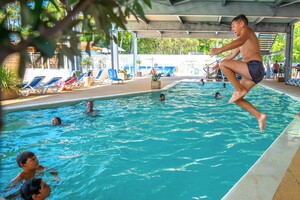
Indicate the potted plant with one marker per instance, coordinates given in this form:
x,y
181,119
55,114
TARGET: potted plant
x,y
8,84
86,63
155,82
122,74
139,74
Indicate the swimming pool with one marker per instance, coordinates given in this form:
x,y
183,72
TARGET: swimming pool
x,y
190,147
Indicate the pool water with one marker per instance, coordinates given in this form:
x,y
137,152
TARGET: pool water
x,y
191,146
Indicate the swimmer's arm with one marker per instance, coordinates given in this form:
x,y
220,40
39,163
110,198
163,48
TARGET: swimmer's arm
x,y
230,56
234,44
53,172
17,178
237,42
233,54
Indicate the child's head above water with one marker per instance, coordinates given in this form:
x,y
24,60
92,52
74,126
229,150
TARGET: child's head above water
x,y
23,157
56,121
162,97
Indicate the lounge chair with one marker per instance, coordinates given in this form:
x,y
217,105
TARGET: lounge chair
x,y
51,84
169,71
79,82
112,76
68,84
97,78
32,86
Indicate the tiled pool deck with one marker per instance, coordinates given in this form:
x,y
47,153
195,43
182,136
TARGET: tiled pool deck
x,y
263,179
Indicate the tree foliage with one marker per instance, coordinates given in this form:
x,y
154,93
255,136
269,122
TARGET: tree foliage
x,y
55,26
279,45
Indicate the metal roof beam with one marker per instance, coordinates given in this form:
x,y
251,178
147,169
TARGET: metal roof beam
x,y
181,2
201,8
223,3
219,19
179,19
198,27
153,34
288,4
258,20
277,3
146,21
171,2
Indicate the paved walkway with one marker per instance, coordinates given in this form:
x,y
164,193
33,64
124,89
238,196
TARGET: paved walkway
x,y
288,185
135,85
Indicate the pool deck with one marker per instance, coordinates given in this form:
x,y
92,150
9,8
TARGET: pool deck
x,y
265,180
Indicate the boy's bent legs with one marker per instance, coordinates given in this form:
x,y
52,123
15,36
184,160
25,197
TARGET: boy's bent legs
x,y
230,68
261,117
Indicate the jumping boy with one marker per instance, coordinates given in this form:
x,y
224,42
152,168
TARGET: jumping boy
x,y
251,69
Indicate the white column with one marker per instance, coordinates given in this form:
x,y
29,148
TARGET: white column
x,y
289,40
134,47
268,66
114,51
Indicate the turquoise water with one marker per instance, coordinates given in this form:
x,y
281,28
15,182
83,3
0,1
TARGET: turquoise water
x,y
189,147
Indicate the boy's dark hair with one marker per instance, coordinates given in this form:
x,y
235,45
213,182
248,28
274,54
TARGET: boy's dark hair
x,y
161,95
30,188
22,157
241,17
217,93
58,120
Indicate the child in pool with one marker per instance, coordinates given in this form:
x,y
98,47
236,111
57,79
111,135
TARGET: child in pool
x,y
30,164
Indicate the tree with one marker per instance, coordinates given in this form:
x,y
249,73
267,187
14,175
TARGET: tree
x,y
54,26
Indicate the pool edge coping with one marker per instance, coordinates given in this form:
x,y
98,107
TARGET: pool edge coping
x,y
261,181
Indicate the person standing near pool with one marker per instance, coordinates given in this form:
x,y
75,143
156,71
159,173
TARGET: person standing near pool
x,y
251,69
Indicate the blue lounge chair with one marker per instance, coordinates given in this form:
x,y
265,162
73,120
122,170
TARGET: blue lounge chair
x,y
32,86
97,78
169,70
51,84
112,76
79,82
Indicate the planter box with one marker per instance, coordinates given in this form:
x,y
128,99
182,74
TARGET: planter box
x,y
155,84
8,94
280,79
122,76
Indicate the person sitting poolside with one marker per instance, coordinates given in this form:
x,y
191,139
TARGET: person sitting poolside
x,y
56,121
35,189
30,164
153,71
224,85
162,97
218,95
201,82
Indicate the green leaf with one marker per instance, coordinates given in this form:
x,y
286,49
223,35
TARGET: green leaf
x,y
148,3
44,46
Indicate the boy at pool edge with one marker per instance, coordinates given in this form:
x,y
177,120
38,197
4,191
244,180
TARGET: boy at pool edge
x,y
30,164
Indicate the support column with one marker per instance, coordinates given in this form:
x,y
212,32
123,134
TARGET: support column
x,y
289,40
268,67
114,51
134,47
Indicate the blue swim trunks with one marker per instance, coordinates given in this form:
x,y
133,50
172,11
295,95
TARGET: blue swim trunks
x,y
256,70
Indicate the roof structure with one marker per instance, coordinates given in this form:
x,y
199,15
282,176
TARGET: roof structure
x,y
212,18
